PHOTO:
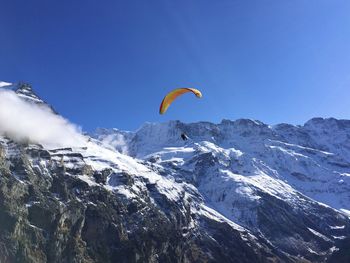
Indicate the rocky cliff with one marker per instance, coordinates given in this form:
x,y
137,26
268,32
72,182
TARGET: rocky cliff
x,y
237,191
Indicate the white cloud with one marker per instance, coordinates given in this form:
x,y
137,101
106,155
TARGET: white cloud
x,y
21,120
4,84
117,141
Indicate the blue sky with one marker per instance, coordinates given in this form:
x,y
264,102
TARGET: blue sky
x,y
110,63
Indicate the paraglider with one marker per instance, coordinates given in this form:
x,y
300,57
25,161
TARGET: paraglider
x,y
172,95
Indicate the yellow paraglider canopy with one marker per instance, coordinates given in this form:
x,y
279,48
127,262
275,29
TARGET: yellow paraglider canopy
x,y
172,95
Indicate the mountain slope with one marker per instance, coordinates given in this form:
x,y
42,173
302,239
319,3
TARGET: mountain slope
x,y
294,178
238,191
93,204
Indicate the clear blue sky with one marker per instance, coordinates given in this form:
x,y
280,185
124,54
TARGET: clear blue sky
x,y
110,63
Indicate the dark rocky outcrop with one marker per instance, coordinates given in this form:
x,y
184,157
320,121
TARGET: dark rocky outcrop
x,y
48,214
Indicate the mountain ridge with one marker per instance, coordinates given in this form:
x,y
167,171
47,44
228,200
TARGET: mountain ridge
x,y
237,191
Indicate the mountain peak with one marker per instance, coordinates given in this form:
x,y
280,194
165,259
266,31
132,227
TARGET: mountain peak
x,y
219,191
23,87
327,123
25,91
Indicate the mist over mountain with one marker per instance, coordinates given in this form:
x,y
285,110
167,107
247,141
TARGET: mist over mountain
x,y
24,116
236,191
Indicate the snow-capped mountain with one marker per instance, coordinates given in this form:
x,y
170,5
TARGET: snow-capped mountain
x,y
23,90
294,178
313,159
237,191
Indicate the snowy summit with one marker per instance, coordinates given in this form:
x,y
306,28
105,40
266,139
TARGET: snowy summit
x,y
236,191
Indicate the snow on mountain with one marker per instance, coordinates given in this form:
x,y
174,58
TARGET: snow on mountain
x,y
313,158
24,91
238,167
25,117
237,191
149,193
4,84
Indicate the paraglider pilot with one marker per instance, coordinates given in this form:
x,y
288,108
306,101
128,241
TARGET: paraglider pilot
x,y
184,136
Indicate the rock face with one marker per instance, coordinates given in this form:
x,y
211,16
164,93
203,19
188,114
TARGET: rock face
x,y
55,207
238,191
288,184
